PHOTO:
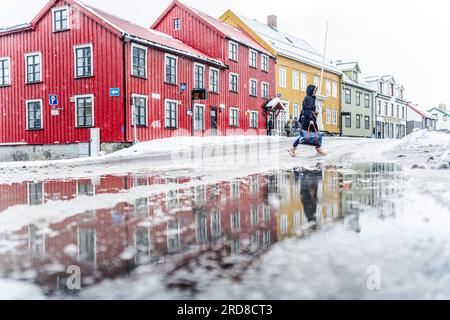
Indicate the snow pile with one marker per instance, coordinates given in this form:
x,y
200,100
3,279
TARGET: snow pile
x,y
18,290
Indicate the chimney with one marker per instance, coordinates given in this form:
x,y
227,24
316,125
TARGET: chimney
x,y
272,21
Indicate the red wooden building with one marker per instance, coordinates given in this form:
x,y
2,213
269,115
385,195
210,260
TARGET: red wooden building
x,y
101,70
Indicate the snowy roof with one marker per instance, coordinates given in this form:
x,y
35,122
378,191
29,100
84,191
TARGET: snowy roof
x,y
361,83
127,28
439,110
290,46
421,111
230,31
345,66
380,78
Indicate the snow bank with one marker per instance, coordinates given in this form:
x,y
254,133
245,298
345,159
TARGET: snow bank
x,y
18,290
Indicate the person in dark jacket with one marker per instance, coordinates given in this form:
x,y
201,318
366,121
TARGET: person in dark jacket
x,y
269,127
308,117
309,190
287,128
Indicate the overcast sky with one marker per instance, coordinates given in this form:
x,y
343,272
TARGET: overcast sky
x,y
407,38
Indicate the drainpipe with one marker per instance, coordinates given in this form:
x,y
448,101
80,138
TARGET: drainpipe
x,y
342,104
125,40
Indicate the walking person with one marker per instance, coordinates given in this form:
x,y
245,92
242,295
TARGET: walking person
x,y
308,119
287,128
270,126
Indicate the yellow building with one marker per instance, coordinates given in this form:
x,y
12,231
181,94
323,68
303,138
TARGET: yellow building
x,y
298,65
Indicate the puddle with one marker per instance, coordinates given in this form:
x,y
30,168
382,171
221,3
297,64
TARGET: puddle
x,y
221,229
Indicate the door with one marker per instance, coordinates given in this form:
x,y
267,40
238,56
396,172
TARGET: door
x,y
280,122
214,121
95,142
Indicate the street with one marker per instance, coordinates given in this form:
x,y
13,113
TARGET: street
x,y
231,218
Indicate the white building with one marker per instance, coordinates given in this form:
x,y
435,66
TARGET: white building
x,y
390,107
443,117
419,118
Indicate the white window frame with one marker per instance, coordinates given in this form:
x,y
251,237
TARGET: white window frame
x,y
334,117
263,83
204,116
266,58
316,81
296,113
328,88
26,55
68,18
328,116
80,46
168,55
218,79
295,80
334,89
237,119
303,81
250,51
179,25
282,76
230,43
135,95
204,69
250,87
134,45
76,109
41,101
251,112
8,60
165,113
229,82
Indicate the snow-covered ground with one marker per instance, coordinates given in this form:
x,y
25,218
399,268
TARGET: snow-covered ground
x,y
414,263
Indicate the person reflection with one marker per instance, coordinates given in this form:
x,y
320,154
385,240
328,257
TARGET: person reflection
x,y
309,194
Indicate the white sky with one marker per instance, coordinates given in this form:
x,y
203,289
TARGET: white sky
x,y
407,38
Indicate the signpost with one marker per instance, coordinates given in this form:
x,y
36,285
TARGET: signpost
x,y
114,92
197,94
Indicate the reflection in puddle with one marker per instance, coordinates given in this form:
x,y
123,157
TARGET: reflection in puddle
x,y
222,227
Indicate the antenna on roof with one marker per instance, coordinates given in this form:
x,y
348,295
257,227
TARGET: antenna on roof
x,y
323,59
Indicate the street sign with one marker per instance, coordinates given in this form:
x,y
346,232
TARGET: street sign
x,y
53,99
199,94
183,87
114,92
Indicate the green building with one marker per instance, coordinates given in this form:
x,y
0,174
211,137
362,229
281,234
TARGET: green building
x,y
357,102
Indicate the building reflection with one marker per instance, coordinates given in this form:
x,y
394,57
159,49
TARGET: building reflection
x,y
240,217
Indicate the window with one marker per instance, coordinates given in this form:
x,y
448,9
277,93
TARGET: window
x,y
199,113
234,117
265,90
199,76
282,75
176,24
444,117
386,105
139,61
334,89
252,57
381,87
296,110
83,61
233,51
60,19
348,96
171,69
379,106
366,100
86,245
328,88
366,122
304,82
215,223
84,110
392,109
139,110
33,67
35,193
335,115
403,112
254,119
328,114
34,115
253,87
85,188
317,81
358,121
235,220
234,81
5,72
295,80
398,111
213,80
348,121
264,63
358,98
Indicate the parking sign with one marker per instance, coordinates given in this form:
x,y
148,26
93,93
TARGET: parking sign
x,y
53,99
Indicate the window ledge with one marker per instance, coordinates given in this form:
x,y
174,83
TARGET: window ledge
x,y
35,129
171,83
84,127
139,77
84,77
5,85
62,30
35,82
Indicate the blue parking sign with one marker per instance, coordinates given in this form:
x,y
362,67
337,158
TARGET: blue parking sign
x,y
53,99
